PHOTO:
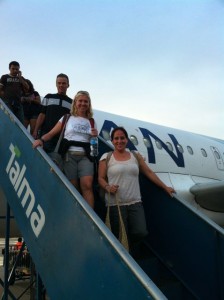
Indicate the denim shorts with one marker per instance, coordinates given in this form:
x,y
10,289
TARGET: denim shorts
x,y
77,166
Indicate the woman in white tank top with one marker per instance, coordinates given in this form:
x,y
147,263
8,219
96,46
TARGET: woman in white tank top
x,y
118,176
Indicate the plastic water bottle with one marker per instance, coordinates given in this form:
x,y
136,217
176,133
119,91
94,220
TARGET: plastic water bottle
x,y
93,146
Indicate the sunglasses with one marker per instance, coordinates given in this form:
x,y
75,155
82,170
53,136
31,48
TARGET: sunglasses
x,y
83,92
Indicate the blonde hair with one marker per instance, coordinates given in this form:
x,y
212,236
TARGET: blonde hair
x,y
74,112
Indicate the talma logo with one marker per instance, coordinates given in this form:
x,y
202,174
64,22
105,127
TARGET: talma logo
x,y
24,192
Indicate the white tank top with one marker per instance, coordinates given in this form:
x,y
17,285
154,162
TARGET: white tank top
x,y
125,174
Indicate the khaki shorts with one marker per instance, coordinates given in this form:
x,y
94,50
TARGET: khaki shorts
x,y
77,166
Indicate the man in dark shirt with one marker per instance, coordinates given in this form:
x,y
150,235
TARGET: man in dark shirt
x,y
11,88
53,107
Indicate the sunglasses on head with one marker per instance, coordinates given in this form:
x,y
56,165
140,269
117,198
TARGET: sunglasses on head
x,y
83,92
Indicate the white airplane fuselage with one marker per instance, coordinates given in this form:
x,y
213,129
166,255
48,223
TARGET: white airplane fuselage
x,y
181,159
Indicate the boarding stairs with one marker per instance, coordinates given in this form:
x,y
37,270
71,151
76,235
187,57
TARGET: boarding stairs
x,y
77,256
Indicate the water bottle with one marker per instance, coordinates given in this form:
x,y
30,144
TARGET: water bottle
x,y
94,146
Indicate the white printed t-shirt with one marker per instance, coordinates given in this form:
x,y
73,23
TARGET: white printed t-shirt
x,y
77,129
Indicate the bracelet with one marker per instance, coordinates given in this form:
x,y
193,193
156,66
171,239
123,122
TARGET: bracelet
x,y
41,140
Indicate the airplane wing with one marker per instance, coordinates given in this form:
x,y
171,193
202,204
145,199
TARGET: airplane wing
x,y
209,195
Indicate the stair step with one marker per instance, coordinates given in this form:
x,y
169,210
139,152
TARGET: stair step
x,y
167,282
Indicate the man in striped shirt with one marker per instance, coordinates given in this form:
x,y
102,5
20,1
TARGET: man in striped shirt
x,y
53,107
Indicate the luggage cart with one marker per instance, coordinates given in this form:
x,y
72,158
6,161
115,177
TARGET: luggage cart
x,y
19,264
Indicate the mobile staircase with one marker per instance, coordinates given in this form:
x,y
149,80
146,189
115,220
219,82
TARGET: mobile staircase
x,y
77,256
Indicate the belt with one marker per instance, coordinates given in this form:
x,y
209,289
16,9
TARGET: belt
x,y
78,153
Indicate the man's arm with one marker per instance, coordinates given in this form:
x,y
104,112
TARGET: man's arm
x,y
39,122
23,81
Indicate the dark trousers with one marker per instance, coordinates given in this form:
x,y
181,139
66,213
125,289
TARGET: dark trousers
x,y
16,107
134,222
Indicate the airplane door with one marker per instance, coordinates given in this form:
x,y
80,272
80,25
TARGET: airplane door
x,y
218,158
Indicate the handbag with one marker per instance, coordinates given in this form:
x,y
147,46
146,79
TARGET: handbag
x,y
123,238
55,155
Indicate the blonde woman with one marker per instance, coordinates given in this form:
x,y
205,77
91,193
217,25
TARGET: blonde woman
x,y
78,167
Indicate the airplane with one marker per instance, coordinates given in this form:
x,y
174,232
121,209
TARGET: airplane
x,y
186,232
192,164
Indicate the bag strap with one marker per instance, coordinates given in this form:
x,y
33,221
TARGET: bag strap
x,y
109,154
92,122
136,155
95,177
64,121
123,238
63,125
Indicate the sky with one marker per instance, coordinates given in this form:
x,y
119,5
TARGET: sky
x,y
160,61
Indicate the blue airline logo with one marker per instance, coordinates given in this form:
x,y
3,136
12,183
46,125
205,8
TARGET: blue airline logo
x,y
177,158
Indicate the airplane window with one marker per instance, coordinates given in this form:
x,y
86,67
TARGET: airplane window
x,y
106,135
170,147
158,144
204,153
190,150
134,139
147,143
217,155
180,148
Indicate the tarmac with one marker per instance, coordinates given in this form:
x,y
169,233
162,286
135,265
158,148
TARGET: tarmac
x,y
22,288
